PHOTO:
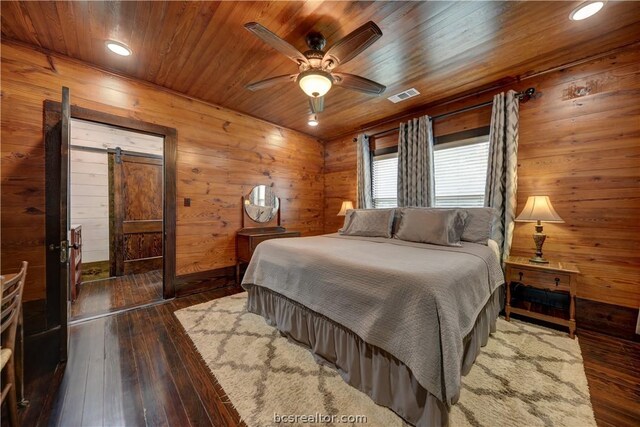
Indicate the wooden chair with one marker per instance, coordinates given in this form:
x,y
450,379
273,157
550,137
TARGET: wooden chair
x,y
9,317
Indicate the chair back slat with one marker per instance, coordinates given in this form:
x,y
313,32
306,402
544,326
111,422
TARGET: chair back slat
x,y
8,321
17,278
10,295
9,312
12,290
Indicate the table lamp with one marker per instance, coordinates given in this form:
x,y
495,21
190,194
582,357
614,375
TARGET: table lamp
x,y
538,209
346,205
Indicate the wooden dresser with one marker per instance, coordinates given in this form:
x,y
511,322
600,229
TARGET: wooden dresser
x,y
248,239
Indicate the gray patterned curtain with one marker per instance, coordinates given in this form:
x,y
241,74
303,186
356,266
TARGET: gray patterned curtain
x,y
502,177
415,163
365,198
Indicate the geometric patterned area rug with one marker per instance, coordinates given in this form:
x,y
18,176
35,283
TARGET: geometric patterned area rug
x,y
526,375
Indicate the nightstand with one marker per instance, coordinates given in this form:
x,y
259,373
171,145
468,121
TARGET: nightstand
x,y
248,239
554,277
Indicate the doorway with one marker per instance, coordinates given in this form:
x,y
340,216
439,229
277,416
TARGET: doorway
x,y
121,209
116,212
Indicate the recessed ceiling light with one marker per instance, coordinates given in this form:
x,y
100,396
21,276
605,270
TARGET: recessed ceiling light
x,y
313,120
118,48
586,10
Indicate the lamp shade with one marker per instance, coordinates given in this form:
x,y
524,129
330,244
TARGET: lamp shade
x,y
538,208
346,205
315,83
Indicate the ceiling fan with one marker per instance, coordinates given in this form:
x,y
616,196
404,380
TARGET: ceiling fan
x,y
315,67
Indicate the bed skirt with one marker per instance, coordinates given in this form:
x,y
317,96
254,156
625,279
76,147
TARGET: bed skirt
x,y
388,381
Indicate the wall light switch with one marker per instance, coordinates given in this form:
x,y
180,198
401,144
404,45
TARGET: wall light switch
x,y
187,201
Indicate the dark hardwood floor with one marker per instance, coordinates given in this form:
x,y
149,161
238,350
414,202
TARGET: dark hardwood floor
x,y
612,366
139,368
116,293
136,368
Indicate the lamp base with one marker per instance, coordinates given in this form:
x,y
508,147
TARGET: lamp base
x,y
539,260
539,238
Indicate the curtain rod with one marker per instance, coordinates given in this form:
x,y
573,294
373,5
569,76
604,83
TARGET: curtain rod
x,y
524,96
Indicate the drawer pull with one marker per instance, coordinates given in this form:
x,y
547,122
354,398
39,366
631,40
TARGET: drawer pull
x,y
557,281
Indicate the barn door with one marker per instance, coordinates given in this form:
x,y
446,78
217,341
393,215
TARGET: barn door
x,y
136,212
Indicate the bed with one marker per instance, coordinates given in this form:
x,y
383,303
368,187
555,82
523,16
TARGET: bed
x,y
401,321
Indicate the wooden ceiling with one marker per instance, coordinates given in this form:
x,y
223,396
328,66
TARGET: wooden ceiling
x,y
440,48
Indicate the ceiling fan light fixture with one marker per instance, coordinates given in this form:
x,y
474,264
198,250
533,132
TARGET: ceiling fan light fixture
x,y
313,120
315,83
118,48
586,10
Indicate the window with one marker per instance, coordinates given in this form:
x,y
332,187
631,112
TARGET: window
x,y
384,181
460,174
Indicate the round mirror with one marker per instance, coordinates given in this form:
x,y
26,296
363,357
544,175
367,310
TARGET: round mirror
x,y
261,205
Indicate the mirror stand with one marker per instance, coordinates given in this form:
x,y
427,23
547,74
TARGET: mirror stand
x,y
246,219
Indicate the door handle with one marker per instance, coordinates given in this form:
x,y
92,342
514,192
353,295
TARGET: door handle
x,y
64,249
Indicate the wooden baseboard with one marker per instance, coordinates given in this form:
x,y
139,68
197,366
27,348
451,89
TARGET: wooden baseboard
x,y
609,319
205,280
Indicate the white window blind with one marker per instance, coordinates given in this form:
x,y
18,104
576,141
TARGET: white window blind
x,y
384,179
461,172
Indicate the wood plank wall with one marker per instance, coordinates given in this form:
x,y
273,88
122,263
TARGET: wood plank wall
x,y
580,144
89,202
222,154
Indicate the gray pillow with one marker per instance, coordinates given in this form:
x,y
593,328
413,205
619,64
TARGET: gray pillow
x,y
478,225
436,226
368,223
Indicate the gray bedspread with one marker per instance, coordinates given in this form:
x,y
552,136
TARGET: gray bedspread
x,y
413,300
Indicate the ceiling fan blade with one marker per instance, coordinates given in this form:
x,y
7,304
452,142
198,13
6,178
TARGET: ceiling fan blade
x,y
357,83
271,81
351,45
316,104
276,42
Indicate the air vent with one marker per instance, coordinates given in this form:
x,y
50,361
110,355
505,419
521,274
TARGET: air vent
x,y
410,93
